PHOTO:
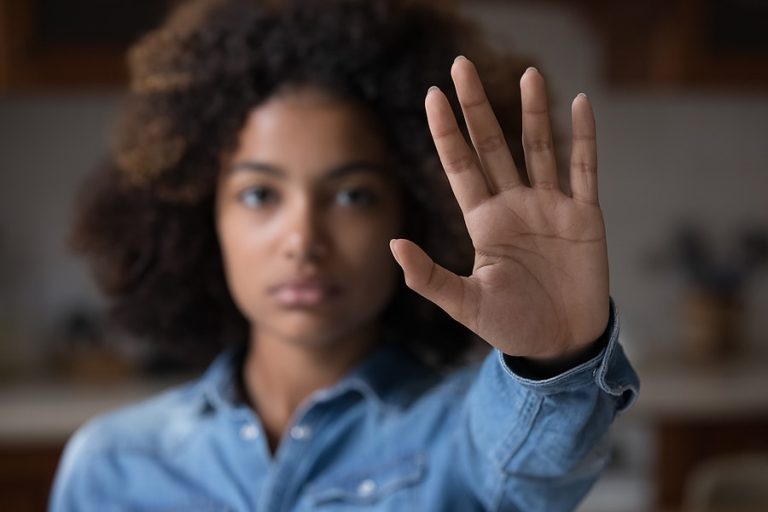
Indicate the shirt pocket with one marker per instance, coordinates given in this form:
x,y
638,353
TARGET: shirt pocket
x,y
201,505
378,484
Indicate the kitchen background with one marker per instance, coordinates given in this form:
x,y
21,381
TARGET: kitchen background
x,y
681,96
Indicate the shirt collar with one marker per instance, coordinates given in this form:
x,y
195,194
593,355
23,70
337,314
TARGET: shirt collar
x,y
382,377
219,382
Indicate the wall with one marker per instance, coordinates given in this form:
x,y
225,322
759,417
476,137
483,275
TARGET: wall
x,y
664,156
47,143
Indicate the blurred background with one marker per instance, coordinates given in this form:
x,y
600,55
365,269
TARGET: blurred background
x,y
680,90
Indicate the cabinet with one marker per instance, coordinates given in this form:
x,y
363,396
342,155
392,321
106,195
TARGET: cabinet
x,y
699,412
71,44
37,418
26,474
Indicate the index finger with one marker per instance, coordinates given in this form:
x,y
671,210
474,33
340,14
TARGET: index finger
x,y
487,137
461,167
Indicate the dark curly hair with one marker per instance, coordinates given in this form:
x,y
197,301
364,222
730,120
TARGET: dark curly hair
x,y
146,217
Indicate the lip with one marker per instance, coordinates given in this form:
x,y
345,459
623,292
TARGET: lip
x,y
303,292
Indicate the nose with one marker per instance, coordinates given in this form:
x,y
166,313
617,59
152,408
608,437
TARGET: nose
x,y
306,237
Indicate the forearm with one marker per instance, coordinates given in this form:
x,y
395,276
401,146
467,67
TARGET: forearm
x,y
539,434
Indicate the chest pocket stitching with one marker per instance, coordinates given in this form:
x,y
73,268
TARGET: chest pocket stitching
x,y
385,479
183,508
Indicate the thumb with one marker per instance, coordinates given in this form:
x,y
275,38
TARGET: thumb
x,y
429,279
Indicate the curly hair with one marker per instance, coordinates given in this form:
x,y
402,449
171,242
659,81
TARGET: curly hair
x,y
146,217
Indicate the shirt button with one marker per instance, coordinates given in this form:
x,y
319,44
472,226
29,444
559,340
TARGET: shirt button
x,y
249,432
366,488
300,432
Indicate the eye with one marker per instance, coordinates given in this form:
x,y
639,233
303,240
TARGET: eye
x,y
358,196
256,197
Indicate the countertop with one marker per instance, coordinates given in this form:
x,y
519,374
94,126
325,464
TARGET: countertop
x,y
51,410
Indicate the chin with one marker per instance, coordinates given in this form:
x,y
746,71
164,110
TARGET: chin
x,y
316,329
314,334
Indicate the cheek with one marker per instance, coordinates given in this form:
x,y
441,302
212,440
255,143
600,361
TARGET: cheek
x,y
365,248
244,258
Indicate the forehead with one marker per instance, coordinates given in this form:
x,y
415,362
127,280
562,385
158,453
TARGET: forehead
x,y
308,130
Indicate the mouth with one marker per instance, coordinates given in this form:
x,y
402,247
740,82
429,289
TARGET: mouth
x,y
304,293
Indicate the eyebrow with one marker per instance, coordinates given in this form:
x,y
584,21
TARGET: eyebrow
x,y
353,167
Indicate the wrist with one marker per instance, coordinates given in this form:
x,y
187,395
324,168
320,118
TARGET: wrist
x,y
539,368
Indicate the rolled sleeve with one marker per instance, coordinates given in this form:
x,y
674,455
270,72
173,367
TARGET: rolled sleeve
x,y
544,441
610,370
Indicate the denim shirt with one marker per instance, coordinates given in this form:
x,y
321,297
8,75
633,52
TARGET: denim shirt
x,y
393,435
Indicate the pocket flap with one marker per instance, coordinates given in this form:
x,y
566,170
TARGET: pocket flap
x,y
368,485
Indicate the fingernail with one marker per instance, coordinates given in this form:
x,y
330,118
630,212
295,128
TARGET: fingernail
x,y
394,252
531,68
581,94
460,57
433,88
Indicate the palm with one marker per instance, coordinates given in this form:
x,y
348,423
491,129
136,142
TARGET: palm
x,y
539,286
532,249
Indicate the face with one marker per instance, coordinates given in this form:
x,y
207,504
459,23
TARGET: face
x,y
305,210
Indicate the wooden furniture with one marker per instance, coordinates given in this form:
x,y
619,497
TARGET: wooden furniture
x,y
26,474
700,411
681,43
75,44
71,44
37,418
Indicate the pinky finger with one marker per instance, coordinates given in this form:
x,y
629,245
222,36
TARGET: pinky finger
x,y
583,152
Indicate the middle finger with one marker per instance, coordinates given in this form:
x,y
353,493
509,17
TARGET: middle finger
x,y
484,130
537,133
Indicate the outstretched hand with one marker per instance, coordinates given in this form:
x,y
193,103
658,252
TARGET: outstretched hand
x,y
539,285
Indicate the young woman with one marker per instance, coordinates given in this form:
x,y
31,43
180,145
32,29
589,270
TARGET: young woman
x,y
275,195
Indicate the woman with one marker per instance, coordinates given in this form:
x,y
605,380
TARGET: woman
x,y
273,175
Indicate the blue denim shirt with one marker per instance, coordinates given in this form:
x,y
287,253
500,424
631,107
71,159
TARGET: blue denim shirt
x,y
393,435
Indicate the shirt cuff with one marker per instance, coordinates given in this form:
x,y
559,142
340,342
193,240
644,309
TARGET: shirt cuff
x,y
610,370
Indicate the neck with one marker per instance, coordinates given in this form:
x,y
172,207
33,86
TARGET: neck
x,y
280,374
